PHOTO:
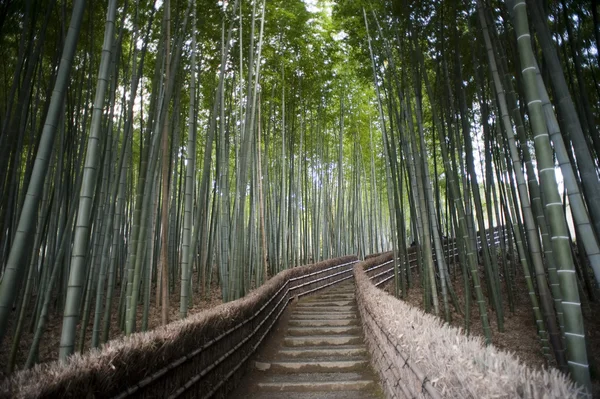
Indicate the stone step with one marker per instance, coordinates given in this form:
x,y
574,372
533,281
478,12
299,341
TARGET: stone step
x,y
316,395
323,316
340,288
311,382
337,298
322,340
341,296
312,366
343,290
338,294
326,304
321,356
323,330
325,309
323,322
340,310
323,351
315,386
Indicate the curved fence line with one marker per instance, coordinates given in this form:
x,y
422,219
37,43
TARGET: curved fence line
x,y
449,248
384,272
419,356
202,356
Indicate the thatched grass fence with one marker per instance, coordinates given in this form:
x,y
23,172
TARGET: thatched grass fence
x,y
417,355
202,356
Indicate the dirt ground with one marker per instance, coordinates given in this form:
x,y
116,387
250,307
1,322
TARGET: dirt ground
x,y
519,335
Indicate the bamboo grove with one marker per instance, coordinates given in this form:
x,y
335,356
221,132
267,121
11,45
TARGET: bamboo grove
x,y
152,152
460,91
194,143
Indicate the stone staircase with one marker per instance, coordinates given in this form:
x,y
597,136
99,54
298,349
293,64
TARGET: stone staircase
x,y
320,353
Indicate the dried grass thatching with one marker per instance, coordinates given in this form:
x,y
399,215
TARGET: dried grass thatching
x,y
401,337
122,363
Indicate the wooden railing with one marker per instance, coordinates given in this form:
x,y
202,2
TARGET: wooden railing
x,y
382,273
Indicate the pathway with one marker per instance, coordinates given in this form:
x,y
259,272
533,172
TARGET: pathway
x,y
322,354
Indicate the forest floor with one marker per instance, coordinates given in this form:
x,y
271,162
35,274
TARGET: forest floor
x,y
49,345
519,335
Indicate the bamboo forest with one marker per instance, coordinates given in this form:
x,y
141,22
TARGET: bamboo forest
x,y
161,157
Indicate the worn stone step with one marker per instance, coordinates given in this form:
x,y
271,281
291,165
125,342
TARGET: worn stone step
x,y
338,294
330,309
327,293
326,304
325,311
345,291
322,315
317,340
306,382
321,356
334,296
322,351
316,395
316,386
341,290
323,322
337,298
324,330
337,358
312,366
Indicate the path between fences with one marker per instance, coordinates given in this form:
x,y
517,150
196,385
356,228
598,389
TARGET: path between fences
x,y
311,320
321,354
